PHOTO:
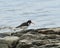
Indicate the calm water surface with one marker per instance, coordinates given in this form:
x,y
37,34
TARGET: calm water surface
x,y
44,13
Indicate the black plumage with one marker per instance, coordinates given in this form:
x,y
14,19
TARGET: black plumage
x,y
24,24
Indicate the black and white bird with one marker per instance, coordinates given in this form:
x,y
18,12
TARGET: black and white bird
x,y
25,25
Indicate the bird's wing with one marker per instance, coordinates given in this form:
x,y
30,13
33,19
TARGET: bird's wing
x,y
23,24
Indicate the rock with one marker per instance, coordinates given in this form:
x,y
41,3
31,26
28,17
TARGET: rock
x,y
51,45
28,36
24,44
51,36
20,33
32,38
49,30
3,43
11,40
40,42
3,35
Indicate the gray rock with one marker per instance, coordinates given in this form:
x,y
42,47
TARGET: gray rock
x,y
12,41
3,43
3,35
9,41
40,42
24,44
32,38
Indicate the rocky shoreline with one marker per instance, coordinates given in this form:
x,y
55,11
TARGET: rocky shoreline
x,y
32,38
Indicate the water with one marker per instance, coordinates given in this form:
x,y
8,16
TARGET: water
x,y
44,13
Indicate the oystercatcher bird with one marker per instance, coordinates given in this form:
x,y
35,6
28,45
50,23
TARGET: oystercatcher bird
x,y
25,25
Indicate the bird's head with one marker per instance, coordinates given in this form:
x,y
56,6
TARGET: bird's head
x,y
29,22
